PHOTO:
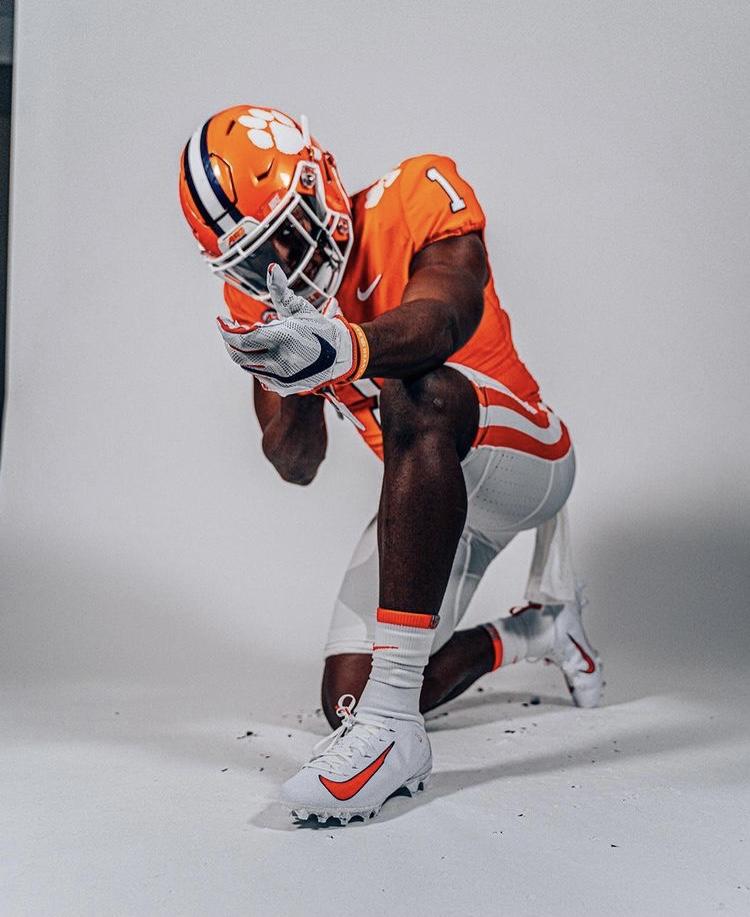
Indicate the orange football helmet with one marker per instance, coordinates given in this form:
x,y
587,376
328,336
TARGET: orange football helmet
x,y
256,188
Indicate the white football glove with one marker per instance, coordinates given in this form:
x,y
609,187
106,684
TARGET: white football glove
x,y
300,351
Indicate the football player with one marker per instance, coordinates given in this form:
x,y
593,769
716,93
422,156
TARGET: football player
x,y
384,304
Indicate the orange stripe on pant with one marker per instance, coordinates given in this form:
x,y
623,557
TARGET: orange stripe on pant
x,y
508,438
539,418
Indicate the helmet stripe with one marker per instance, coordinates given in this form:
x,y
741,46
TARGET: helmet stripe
x,y
196,197
222,198
205,184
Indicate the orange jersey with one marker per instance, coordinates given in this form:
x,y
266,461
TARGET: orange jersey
x,y
420,202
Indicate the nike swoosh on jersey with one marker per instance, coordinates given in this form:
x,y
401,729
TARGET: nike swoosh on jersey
x,y
323,361
591,667
362,295
345,789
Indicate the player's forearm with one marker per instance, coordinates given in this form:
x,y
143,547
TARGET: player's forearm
x,y
414,339
295,438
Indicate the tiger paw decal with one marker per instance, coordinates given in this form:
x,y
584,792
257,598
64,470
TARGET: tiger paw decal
x,y
267,129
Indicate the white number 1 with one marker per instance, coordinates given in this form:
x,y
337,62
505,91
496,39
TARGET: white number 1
x,y
457,202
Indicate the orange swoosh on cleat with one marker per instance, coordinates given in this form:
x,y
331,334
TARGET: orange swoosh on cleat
x,y
586,658
345,789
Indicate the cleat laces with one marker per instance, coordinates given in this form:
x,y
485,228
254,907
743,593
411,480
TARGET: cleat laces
x,y
356,736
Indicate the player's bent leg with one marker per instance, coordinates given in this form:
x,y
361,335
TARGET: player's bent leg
x,y
352,628
507,492
524,464
428,427
458,657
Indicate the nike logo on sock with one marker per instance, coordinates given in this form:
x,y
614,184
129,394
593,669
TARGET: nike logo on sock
x,y
345,789
586,658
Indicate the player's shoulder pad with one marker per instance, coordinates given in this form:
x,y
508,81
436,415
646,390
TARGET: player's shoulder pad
x,y
413,170
437,201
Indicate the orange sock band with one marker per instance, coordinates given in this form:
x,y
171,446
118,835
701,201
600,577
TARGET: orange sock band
x,y
408,618
497,645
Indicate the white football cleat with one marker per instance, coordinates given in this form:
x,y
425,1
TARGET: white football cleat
x,y
361,765
572,652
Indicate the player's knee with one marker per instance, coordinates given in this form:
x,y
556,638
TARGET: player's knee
x,y
345,673
413,407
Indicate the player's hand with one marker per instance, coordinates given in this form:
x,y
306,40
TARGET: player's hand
x,y
300,351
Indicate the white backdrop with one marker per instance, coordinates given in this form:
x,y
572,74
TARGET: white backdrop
x,y
606,143
144,537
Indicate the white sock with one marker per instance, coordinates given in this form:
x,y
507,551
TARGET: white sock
x,y
400,652
526,634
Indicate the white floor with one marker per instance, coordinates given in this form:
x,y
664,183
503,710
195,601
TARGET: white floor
x,y
134,797
133,668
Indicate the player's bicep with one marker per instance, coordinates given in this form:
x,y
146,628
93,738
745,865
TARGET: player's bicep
x,y
464,257
453,272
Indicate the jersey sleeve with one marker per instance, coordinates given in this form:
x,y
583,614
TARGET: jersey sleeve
x,y
437,201
244,308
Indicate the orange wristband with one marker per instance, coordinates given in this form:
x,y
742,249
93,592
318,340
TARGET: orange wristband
x,y
364,352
